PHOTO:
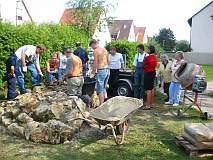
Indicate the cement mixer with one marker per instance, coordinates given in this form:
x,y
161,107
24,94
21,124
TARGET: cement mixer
x,y
191,77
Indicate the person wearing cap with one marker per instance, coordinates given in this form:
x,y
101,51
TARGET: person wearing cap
x,y
165,71
81,53
116,63
62,65
27,59
11,77
100,68
52,68
73,74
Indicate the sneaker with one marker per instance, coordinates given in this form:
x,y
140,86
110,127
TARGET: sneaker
x,y
175,105
168,103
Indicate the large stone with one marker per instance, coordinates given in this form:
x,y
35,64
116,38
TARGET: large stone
x,y
6,121
24,118
28,102
31,126
15,111
43,113
53,132
38,90
15,129
57,109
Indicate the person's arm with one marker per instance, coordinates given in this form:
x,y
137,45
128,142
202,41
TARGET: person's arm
x,y
69,67
48,66
135,62
95,63
122,61
37,64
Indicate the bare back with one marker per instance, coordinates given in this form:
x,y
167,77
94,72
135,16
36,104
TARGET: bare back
x,y
102,58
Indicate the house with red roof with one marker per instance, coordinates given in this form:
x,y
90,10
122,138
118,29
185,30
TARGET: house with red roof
x,y
100,31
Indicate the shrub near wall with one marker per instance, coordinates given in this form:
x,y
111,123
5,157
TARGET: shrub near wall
x,y
130,49
53,36
125,47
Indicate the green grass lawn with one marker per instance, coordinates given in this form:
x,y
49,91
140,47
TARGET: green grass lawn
x,y
209,71
151,137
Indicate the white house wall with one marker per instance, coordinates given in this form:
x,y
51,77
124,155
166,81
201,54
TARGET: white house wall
x,y
8,11
103,34
132,37
202,31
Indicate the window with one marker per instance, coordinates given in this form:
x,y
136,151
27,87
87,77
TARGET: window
x,y
114,36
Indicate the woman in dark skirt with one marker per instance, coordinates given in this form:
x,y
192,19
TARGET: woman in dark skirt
x,y
149,65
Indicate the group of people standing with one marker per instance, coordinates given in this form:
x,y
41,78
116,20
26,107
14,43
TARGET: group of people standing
x,y
146,71
73,65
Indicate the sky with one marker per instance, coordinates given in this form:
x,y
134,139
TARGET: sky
x,y
152,14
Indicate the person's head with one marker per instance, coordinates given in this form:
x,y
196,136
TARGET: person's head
x,y
93,44
55,55
179,55
78,44
164,58
64,49
68,52
151,49
113,50
40,49
140,48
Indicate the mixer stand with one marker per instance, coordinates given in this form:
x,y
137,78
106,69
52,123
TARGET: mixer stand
x,y
194,102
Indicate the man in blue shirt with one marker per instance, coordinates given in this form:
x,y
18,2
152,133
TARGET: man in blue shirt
x,y
82,54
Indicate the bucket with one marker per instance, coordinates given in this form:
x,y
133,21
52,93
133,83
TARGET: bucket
x,y
186,73
89,86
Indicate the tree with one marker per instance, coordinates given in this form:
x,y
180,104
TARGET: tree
x,y
183,45
166,39
88,13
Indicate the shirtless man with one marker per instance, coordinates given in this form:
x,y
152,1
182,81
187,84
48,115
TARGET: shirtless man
x,y
100,65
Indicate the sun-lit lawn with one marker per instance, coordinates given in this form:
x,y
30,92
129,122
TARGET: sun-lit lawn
x,y
209,71
151,137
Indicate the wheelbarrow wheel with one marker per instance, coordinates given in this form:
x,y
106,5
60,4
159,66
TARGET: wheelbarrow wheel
x,y
123,128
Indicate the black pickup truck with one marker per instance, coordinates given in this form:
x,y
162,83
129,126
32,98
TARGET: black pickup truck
x,y
124,85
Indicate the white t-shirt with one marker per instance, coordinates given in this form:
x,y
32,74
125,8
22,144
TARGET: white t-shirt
x,y
115,61
63,61
139,58
30,51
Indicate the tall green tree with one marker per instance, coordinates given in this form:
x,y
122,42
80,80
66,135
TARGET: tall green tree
x,y
166,39
89,12
183,45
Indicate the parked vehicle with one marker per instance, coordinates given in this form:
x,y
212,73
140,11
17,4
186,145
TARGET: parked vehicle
x,y
124,85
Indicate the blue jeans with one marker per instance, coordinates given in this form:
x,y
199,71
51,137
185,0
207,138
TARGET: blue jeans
x,y
34,73
61,73
20,75
102,77
139,83
174,92
50,77
11,86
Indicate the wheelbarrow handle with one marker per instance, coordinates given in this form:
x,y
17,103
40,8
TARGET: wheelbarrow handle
x,y
80,118
118,141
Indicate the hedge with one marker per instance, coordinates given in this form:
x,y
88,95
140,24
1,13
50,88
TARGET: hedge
x,y
130,49
53,36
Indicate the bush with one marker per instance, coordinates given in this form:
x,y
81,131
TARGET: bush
x,y
53,36
183,45
130,49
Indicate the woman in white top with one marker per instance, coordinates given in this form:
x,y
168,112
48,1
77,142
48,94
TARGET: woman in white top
x,y
62,66
175,87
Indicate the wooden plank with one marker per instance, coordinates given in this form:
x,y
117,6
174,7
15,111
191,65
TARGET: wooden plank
x,y
191,149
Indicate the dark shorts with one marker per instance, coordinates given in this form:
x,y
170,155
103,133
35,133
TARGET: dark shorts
x,y
149,78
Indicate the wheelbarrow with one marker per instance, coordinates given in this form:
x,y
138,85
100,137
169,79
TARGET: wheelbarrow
x,y
115,114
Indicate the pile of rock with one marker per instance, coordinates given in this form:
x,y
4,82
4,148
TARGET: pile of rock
x,y
43,116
